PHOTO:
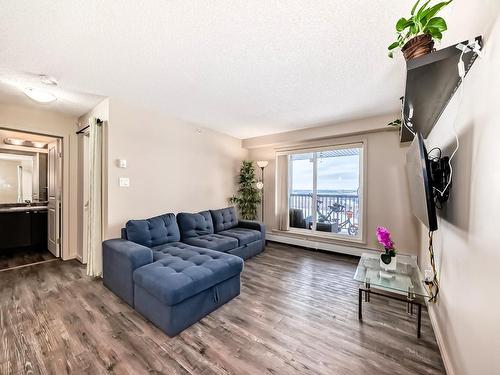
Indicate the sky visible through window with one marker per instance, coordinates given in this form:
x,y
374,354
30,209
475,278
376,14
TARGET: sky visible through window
x,y
335,174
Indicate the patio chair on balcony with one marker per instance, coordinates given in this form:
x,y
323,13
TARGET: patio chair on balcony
x,y
297,219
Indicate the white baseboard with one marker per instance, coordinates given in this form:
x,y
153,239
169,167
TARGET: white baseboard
x,y
439,338
320,245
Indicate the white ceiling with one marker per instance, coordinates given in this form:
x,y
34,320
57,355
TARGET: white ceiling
x,y
245,68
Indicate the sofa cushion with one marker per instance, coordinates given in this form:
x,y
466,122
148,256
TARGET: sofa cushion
x,y
154,231
223,219
194,225
161,251
213,241
243,235
182,273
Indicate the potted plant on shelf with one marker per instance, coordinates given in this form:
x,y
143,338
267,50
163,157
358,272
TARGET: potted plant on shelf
x,y
388,258
416,35
395,124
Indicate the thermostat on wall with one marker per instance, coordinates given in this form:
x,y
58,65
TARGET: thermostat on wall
x,y
122,163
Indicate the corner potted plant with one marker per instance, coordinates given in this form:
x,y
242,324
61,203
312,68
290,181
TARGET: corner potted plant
x,y
248,196
416,35
388,258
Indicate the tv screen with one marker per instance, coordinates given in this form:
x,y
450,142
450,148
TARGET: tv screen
x,y
420,183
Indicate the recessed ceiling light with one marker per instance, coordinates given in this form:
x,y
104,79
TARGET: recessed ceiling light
x,y
39,96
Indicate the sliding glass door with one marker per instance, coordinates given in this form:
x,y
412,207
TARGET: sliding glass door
x,y
325,191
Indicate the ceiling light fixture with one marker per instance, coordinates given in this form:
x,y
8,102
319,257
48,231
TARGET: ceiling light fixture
x,y
39,96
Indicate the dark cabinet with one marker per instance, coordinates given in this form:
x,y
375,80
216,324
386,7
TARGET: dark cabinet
x,y
23,229
39,229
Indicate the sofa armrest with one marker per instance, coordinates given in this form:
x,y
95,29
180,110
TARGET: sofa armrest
x,y
256,225
120,258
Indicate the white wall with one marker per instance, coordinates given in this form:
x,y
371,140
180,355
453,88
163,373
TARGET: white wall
x,y
58,125
387,200
171,167
467,243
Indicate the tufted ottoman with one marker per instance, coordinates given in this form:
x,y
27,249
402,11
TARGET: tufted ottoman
x,y
184,285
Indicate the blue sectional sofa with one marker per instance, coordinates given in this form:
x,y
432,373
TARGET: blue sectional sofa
x,y
175,270
222,231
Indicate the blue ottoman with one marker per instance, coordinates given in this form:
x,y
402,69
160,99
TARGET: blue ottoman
x,y
185,285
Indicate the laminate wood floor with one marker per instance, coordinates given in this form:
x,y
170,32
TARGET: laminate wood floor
x,y
22,257
297,314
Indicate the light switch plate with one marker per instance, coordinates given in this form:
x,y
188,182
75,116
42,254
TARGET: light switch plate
x,y
124,182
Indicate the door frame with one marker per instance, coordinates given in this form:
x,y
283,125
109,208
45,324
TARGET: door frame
x,y
64,145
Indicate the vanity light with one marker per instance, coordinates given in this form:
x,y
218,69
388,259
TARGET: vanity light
x,y
22,142
39,96
14,141
39,144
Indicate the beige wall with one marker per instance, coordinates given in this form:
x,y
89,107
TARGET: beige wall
x,y
171,167
467,243
387,202
54,124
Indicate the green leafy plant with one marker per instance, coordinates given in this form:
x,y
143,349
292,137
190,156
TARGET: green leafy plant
x,y
248,196
396,123
422,21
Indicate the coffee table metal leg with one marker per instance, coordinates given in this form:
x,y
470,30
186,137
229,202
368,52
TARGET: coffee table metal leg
x,y
419,320
360,305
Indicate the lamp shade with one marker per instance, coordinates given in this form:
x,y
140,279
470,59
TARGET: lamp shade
x,y
262,163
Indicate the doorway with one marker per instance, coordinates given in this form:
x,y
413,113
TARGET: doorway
x,y
30,198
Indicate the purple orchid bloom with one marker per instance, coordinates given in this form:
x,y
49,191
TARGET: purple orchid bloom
x,y
384,237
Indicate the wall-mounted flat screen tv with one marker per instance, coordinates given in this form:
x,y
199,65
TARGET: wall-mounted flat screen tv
x,y
420,183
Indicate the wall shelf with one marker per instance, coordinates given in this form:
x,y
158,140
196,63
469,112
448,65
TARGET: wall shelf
x,y
431,81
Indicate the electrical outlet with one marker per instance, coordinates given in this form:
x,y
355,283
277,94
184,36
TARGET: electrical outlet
x,y
124,182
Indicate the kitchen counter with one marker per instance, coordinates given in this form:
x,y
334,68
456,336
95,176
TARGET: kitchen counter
x,y
23,208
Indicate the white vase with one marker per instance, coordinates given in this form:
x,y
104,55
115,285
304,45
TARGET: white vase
x,y
391,266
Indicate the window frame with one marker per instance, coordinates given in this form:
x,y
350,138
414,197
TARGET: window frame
x,y
314,148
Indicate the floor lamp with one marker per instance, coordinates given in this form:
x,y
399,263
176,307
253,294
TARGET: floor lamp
x,y
260,185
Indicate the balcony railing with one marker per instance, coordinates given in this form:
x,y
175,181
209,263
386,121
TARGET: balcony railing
x,y
331,209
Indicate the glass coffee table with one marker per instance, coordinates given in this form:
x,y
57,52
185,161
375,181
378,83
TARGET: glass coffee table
x,y
404,284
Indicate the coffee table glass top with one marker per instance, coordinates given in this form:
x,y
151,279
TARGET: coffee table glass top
x,y
406,278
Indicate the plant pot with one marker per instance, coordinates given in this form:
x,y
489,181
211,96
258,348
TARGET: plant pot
x,y
418,46
388,262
